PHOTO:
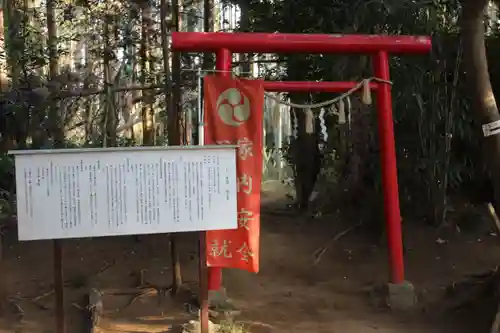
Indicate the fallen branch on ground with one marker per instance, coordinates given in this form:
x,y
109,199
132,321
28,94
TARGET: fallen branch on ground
x,y
146,289
322,250
14,302
39,297
144,292
475,288
67,283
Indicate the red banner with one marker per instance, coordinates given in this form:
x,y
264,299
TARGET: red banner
x,y
233,115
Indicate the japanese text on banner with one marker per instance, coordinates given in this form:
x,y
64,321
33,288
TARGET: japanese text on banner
x,y
233,115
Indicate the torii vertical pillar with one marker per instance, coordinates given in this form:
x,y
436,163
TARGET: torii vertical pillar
x,y
224,44
389,168
223,66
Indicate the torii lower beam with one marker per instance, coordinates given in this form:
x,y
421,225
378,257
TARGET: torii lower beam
x,y
312,86
379,46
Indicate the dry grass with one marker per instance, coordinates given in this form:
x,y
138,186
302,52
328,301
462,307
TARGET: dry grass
x,y
229,326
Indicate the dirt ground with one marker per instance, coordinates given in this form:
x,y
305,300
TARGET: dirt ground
x,y
290,294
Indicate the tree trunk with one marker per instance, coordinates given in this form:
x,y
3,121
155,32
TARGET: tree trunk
x,y
176,116
110,116
11,24
208,25
148,133
88,104
245,21
305,155
304,150
168,84
4,77
55,125
485,107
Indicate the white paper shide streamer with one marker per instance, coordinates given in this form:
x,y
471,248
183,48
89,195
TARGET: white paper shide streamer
x,y
295,129
323,128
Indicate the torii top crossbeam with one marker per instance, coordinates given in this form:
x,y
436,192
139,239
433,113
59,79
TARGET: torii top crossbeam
x,y
298,43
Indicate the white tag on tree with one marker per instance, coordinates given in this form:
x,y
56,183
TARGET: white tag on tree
x,y
491,128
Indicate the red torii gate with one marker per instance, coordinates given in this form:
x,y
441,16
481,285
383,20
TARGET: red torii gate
x,y
379,46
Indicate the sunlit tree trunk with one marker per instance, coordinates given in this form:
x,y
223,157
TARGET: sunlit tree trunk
x,y
55,121
110,116
14,19
131,48
177,115
3,56
168,86
147,112
12,24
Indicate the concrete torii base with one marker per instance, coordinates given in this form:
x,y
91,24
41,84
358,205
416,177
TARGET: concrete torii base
x,y
221,304
217,298
401,296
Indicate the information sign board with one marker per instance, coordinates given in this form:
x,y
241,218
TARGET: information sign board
x,y
73,193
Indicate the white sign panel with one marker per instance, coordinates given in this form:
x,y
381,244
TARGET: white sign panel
x,y
69,193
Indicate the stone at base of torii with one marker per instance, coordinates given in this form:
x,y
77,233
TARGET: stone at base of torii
x,y
401,296
221,304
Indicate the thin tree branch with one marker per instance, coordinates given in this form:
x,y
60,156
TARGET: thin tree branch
x,y
84,93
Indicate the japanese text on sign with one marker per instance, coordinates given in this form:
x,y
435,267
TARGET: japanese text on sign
x,y
90,193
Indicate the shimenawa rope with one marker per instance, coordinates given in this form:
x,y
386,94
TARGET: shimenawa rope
x,y
364,84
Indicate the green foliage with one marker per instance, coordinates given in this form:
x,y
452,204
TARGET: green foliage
x,y
437,141
437,144
6,182
229,326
